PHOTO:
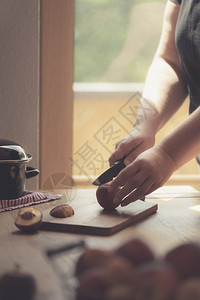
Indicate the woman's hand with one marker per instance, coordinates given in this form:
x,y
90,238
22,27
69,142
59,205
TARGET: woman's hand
x,y
149,171
137,141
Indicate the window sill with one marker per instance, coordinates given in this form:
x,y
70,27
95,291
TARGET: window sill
x,y
105,90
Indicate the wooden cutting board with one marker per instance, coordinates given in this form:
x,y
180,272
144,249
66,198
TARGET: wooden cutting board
x,y
90,218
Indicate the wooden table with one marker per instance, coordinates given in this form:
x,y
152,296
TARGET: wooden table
x,y
177,220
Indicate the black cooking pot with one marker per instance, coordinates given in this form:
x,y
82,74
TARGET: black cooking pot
x,y
13,170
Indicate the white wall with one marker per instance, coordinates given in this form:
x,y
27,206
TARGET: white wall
x,y
19,76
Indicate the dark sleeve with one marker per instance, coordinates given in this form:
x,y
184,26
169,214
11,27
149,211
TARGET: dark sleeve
x,y
176,1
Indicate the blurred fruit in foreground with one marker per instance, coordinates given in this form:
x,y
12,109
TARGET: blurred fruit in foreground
x,y
95,282
136,251
120,292
133,272
189,289
118,271
92,284
155,281
185,258
92,258
17,285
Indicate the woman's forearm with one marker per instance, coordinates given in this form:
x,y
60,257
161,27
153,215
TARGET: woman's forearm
x,y
183,143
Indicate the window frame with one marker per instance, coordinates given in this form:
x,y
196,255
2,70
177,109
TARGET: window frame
x,y
56,93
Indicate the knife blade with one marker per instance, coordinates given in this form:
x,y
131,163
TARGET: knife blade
x,y
110,173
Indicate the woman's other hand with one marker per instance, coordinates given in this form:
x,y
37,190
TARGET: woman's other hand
x,y
149,171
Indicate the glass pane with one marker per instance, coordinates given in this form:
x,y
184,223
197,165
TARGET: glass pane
x,y
115,39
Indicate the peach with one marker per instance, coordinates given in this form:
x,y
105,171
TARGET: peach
x,y
92,284
118,271
185,259
62,211
120,292
155,281
29,219
136,251
105,198
16,284
92,258
189,289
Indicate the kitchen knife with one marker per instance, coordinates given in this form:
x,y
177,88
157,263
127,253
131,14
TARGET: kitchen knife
x,y
110,173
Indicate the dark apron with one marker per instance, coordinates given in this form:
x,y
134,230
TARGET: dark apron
x,y
188,45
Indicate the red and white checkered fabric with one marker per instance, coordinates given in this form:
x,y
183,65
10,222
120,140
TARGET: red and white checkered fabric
x,y
29,198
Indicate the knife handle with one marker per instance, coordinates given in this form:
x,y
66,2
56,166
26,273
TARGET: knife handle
x,y
118,166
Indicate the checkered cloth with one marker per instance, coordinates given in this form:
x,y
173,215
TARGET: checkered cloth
x,y
29,198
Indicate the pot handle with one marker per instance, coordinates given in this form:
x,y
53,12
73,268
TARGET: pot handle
x,y
31,172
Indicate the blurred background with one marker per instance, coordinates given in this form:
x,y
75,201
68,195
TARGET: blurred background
x,y
114,44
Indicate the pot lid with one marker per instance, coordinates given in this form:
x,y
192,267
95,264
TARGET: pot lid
x,y
12,152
